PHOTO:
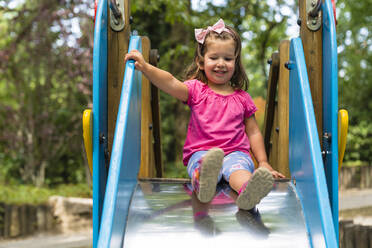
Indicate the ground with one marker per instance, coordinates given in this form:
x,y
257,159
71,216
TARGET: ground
x,y
77,240
356,204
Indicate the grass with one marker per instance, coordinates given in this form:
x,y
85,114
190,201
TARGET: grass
x,y
27,194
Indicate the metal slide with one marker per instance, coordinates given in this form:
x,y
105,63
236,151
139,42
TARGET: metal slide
x,y
159,213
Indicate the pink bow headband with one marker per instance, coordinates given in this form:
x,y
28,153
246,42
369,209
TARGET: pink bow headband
x,y
219,27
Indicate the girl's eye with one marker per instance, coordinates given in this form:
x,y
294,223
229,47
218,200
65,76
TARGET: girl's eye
x,y
228,59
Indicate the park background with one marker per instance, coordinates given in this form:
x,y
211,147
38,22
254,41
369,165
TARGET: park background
x,y
46,50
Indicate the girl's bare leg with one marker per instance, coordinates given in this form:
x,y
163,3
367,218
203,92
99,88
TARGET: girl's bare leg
x,y
238,179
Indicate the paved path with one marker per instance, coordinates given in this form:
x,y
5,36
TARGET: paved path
x,y
350,199
356,199
81,240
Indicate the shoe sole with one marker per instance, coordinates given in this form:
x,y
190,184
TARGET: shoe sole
x,y
257,188
211,166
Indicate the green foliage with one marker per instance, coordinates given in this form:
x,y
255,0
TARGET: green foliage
x,y
45,74
175,170
21,194
354,37
263,31
359,143
355,59
8,172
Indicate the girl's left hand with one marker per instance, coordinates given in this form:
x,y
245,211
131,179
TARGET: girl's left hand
x,y
275,173
140,63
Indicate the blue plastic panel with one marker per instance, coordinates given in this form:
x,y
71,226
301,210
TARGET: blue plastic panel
x,y
330,105
125,157
305,160
99,114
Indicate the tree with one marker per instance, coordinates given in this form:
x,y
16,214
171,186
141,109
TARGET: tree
x,y
45,79
354,37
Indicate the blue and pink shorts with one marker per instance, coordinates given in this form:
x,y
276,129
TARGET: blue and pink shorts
x,y
232,162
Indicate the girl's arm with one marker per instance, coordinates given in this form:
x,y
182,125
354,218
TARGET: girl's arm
x,y
257,145
160,78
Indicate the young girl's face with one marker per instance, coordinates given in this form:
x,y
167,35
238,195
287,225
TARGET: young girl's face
x,y
219,61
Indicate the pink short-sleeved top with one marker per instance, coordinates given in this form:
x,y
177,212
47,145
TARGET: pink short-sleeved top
x,y
216,120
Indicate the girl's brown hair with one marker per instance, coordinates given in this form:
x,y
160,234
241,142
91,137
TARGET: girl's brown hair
x,y
239,80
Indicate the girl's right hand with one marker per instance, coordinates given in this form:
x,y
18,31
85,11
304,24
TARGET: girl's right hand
x,y
275,173
140,63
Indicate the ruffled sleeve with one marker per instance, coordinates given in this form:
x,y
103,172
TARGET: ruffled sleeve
x,y
194,89
249,106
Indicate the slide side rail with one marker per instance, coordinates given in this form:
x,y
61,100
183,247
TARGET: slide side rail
x,y
330,106
125,157
99,115
305,159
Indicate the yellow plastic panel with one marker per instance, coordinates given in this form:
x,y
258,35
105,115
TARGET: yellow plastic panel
x,y
87,135
343,124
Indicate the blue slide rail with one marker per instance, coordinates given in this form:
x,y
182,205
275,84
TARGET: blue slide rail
x,y
99,114
305,159
125,157
330,106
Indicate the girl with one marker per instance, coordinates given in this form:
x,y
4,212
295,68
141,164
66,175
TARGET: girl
x,y
222,128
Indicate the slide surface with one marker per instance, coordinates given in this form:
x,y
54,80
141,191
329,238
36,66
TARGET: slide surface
x,y
161,215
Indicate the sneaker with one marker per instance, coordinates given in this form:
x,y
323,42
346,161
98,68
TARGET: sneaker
x,y
205,178
256,188
251,220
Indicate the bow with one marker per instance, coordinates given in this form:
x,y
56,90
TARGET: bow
x,y
219,27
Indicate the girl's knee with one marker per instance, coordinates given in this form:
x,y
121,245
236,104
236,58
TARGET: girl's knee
x,y
240,175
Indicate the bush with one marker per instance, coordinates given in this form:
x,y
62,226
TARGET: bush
x,y
359,144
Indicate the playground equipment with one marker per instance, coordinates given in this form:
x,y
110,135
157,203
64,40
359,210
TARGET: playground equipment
x,y
301,137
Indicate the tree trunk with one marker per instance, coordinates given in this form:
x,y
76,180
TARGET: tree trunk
x,y
40,175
